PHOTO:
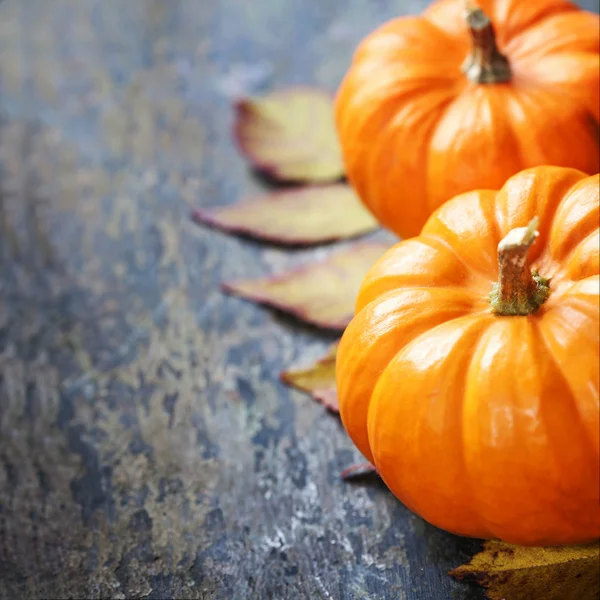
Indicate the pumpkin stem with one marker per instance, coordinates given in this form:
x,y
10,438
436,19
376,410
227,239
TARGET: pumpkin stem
x,y
519,290
485,64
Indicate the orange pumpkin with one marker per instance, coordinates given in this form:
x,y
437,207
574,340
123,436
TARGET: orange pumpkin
x,y
469,374
443,103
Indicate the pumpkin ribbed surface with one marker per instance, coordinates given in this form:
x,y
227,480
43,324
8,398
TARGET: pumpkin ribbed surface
x,y
485,425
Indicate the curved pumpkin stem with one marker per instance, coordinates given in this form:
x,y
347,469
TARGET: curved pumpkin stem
x,y
519,290
485,64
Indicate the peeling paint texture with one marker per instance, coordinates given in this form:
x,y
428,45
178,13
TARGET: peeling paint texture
x,y
147,448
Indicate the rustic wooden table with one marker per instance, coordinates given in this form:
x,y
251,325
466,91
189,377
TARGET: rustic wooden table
x,y
147,449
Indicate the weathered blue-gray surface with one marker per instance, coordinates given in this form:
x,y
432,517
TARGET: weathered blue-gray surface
x,y
147,449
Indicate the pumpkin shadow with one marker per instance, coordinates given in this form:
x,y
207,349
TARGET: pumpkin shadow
x,y
427,543
449,551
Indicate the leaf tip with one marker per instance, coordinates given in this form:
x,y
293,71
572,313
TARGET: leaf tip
x,y
202,216
285,377
228,287
355,472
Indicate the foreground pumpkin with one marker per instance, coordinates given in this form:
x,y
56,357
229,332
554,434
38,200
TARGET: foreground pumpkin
x,y
469,374
443,103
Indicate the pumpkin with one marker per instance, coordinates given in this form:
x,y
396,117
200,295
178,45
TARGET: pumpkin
x,y
461,99
469,373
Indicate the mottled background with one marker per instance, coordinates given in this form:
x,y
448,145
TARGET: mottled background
x,y
147,449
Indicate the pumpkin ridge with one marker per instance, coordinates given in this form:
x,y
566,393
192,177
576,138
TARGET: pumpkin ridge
x,y
551,90
502,458
474,305
401,28
519,199
593,240
570,330
431,200
370,317
419,260
587,223
427,121
526,25
542,73
481,277
451,37
516,146
532,102
474,321
431,127
491,154
575,246
541,333
580,305
525,104
559,33
475,499
383,115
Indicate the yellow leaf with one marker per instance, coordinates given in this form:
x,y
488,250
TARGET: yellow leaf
x,y
511,572
321,293
307,215
290,135
318,379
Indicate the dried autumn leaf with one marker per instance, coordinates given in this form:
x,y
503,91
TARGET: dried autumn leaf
x,y
317,379
522,573
328,398
321,293
302,216
290,135
359,471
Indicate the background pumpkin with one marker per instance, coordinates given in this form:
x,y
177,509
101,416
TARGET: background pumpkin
x,y
431,107
485,425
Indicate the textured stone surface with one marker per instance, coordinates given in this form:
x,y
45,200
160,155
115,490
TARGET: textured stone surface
x,y
147,449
